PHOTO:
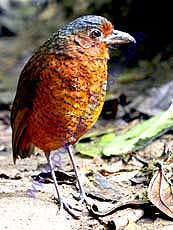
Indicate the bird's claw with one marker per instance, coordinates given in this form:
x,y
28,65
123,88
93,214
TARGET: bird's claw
x,y
82,198
73,211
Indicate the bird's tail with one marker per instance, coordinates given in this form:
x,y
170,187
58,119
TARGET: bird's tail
x,y
21,144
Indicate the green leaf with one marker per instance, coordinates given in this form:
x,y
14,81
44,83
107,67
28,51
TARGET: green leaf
x,y
94,132
141,135
95,147
136,138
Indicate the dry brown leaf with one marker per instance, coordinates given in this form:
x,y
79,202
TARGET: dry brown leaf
x,y
166,193
126,218
160,192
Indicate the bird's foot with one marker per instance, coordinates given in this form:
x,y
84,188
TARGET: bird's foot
x,y
81,198
73,211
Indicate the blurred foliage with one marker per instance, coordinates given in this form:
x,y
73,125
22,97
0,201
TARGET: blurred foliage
x,y
25,24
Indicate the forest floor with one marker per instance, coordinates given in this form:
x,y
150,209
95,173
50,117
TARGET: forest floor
x,y
109,182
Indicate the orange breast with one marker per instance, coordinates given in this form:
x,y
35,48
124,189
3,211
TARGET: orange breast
x,y
68,101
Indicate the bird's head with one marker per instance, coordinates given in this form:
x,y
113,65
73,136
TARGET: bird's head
x,y
93,35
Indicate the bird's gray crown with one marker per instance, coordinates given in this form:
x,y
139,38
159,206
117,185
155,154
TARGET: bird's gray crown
x,y
80,24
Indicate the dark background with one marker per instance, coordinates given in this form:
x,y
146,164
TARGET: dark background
x,y
24,25
152,17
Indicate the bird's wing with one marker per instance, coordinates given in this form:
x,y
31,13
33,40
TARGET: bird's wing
x,y
22,105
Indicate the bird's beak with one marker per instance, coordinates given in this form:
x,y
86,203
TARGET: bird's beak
x,y
118,37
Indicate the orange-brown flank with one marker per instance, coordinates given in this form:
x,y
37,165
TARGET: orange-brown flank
x,y
68,102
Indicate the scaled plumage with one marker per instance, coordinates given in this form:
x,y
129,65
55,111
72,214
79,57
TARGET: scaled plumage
x,y
61,89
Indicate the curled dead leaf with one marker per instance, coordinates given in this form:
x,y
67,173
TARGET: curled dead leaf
x,y
160,192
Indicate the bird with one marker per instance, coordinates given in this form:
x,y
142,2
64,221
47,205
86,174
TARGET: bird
x,y
61,91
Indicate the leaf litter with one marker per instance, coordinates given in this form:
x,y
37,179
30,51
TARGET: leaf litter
x,y
109,180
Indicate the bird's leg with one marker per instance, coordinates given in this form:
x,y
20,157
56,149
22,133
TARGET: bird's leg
x,y
62,203
81,188
48,156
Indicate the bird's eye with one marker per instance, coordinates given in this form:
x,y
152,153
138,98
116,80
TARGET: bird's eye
x,y
95,33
